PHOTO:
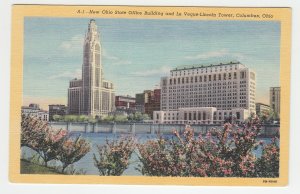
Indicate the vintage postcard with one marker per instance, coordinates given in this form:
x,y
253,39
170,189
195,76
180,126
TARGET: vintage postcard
x,y
150,95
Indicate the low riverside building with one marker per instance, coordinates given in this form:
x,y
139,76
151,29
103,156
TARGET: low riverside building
x,y
35,111
125,104
199,115
207,93
262,108
57,109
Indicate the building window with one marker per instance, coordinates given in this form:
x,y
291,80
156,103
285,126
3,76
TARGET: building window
x,y
164,82
238,116
243,75
252,76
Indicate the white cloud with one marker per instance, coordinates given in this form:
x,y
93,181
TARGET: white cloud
x,y
74,44
106,55
121,62
153,72
213,54
208,55
239,56
67,75
114,60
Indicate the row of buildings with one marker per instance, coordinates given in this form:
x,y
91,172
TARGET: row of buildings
x,y
44,115
196,94
146,102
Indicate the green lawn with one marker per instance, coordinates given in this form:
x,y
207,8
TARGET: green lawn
x,y
31,168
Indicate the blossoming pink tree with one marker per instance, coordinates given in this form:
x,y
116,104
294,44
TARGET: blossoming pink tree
x,y
40,137
114,156
220,153
72,150
52,144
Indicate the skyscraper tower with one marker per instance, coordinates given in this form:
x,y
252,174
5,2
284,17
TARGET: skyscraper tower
x,y
92,71
92,95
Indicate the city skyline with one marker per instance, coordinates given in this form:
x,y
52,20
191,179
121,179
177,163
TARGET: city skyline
x,y
134,49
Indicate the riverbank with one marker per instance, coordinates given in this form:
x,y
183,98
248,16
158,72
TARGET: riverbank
x,y
267,131
28,167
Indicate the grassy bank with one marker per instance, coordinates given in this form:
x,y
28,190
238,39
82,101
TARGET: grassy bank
x,y
31,168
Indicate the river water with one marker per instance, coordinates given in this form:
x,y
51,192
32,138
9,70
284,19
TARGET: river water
x,y
87,162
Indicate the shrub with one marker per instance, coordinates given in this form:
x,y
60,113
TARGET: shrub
x,y
114,156
229,153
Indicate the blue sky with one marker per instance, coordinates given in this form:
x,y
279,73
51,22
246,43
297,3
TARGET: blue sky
x,y
137,52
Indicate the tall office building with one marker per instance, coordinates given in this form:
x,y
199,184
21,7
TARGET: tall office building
x,y
91,95
207,93
275,99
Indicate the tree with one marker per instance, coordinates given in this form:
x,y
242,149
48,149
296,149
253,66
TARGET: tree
x,y
57,117
229,153
131,117
120,118
92,120
145,117
40,137
72,150
108,118
82,118
268,164
114,156
70,118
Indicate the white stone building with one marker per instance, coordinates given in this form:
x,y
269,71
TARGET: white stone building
x,y
213,90
35,111
91,95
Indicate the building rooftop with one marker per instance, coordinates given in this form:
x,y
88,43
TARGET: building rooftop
x,y
204,65
125,96
259,103
56,105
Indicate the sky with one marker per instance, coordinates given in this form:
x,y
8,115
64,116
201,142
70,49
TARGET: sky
x,y
137,52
